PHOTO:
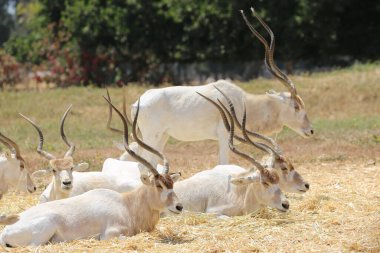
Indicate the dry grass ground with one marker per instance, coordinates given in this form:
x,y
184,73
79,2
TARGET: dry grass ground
x,y
341,212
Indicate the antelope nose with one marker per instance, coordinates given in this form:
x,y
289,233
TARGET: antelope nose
x,y
33,190
285,205
66,182
307,186
179,207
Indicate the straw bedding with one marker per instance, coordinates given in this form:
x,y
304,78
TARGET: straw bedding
x,y
340,213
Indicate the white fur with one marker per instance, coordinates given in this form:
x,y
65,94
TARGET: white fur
x,y
99,213
211,191
11,174
218,191
181,113
120,176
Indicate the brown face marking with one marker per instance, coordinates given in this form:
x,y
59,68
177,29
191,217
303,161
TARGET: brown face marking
x,y
62,164
166,180
284,163
269,176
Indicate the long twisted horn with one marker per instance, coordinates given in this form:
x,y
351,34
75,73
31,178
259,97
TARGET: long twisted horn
x,y
110,117
269,62
110,114
144,145
284,77
41,143
240,153
7,145
126,145
71,145
12,146
223,115
254,134
261,146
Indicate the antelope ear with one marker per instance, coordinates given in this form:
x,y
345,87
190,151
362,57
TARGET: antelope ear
x,y
276,95
8,155
81,167
175,176
145,179
242,180
41,173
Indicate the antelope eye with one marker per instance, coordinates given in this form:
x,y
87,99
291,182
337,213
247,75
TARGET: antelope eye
x,y
284,169
54,171
266,184
159,186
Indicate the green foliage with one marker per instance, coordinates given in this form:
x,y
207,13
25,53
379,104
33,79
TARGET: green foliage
x,y
122,41
6,22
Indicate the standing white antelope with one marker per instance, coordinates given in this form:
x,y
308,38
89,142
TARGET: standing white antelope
x,y
13,169
182,114
61,168
289,179
99,213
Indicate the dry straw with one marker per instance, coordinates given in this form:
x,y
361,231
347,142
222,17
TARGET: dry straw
x,y
340,213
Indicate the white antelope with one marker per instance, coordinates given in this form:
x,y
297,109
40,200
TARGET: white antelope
x,y
232,190
127,179
182,114
130,171
61,168
290,179
13,169
68,183
99,213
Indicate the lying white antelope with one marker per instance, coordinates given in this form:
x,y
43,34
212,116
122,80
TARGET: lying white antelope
x,y
99,213
68,183
185,116
232,190
290,179
61,168
13,169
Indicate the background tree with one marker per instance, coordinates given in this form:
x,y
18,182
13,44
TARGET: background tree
x,y
104,42
6,21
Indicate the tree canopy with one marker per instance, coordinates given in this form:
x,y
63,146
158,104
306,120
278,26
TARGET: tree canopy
x,y
113,41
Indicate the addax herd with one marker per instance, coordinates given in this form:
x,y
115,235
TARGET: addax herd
x,y
130,194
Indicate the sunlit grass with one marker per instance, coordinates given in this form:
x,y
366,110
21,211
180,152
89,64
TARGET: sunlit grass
x,y
337,102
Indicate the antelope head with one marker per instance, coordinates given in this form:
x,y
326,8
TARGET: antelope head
x,y
13,169
293,108
265,180
162,195
61,168
290,179
266,184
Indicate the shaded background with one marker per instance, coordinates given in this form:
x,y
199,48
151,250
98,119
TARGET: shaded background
x,y
167,41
